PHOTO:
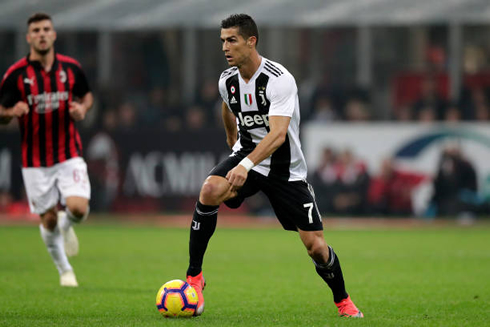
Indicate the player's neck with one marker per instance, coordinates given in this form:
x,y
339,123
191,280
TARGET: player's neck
x,y
248,69
46,60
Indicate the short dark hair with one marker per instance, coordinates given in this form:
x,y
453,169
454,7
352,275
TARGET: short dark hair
x,y
246,25
37,17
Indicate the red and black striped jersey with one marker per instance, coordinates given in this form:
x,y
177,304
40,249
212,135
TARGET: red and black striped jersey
x,y
49,135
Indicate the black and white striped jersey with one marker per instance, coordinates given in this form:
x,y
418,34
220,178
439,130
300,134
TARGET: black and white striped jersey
x,y
272,91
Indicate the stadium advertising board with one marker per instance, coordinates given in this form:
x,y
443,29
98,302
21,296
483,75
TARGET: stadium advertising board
x,y
140,171
413,147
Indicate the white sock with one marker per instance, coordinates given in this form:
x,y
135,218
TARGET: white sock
x,y
63,222
54,244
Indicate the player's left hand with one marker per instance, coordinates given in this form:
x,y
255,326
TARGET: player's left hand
x,y
77,111
237,177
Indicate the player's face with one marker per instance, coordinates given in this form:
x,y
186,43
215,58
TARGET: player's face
x,y
237,50
41,36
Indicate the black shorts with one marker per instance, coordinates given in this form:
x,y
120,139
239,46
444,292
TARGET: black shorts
x,y
293,202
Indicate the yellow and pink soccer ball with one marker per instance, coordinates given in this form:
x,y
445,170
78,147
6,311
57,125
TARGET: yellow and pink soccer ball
x,y
177,298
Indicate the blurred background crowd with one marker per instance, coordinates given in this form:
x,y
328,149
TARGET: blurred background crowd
x,y
164,79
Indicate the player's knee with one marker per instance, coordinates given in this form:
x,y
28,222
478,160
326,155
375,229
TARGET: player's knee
x,y
210,193
78,210
49,220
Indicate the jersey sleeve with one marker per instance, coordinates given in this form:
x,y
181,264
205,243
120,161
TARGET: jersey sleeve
x,y
223,92
81,86
9,93
283,96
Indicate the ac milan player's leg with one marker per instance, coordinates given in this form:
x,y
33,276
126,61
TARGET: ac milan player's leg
x,y
50,233
327,265
214,191
77,210
74,186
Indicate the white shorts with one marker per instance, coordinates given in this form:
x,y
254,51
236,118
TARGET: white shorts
x,y
46,186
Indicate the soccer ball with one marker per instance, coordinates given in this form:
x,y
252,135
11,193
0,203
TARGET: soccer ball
x,y
177,298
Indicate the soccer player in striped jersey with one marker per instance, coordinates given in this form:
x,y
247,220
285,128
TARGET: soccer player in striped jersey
x,y
261,118
48,92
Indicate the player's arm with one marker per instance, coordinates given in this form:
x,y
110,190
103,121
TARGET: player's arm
x,y
19,109
10,100
81,90
270,143
78,109
229,122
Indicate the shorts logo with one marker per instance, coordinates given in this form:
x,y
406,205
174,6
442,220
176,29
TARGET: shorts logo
x,y
247,97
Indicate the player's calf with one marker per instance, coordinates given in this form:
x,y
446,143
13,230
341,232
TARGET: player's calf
x,y
69,237
49,219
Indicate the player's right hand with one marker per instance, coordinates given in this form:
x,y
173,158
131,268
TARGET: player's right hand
x,y
237,177
20,108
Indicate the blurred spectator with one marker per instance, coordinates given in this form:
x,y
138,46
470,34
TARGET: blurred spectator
x,y
427,115
390,192
210,100
454,185
154,111
195,118
323,110
482,112
436,57
452,114
324,181
109,120
430,98
350,197
404,114
127,117
356,110
103,162
173,124
472,99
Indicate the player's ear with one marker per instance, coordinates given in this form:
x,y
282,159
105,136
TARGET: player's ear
x,y
251,41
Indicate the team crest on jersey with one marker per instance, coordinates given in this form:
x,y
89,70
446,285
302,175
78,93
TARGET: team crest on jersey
x,y
62,76
262,95
232,89
248,99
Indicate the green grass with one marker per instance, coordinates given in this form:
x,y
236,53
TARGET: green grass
x,y
256,277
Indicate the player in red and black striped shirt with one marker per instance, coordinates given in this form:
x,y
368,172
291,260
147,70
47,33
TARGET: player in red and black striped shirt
x,y
48,92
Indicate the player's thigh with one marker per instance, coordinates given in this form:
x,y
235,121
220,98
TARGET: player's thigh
x,y
41,190
73,179
222,168
250,186
294,204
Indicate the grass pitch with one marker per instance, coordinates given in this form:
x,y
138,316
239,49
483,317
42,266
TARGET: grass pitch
x,y
256,277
